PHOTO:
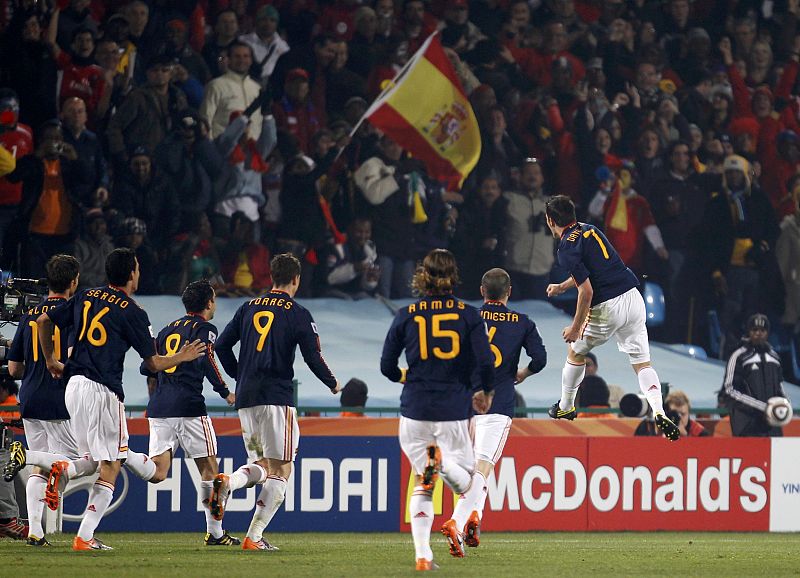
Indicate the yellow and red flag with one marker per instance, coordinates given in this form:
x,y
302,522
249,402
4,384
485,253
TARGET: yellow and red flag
x,y
426,111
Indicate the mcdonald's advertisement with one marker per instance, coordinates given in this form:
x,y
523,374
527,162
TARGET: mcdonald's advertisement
x,y
363,483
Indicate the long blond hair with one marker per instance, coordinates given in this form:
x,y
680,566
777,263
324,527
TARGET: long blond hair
x,y
437,275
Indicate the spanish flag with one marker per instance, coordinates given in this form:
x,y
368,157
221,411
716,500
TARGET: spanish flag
x,y
425,111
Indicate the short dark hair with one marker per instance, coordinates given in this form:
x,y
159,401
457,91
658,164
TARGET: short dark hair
x,y
239,44
120,263
7,382
197,295
82,29
561,210
61,272
285,267
354,393
496,283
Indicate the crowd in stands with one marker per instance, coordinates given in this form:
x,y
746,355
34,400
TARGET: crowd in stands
x,y
209,134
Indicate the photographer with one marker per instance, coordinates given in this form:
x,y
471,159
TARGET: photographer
x,y
752,376
44,413
10,527
678,409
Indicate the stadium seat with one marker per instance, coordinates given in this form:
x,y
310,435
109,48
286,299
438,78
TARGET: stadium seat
x,y
654,304
714,333
784,343
691,350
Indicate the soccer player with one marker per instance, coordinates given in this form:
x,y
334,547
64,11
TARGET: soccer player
x,y
509,333
269,328
609,305
177,409
107,322
444,339
44,414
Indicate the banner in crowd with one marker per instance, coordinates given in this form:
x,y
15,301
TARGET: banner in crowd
x,y
426,111
354,483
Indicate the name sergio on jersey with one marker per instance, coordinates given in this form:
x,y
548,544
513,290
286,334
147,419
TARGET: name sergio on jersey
x,y
500,316
108,297
272,302
435,305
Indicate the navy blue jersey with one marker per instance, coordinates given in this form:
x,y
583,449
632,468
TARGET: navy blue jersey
x,y
40,396
106,323
270,328
585,253
509,332
180,389
445,340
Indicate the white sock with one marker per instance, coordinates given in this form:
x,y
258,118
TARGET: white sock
x,y
469,500
247,476
269,500
141,465
34,497
651,388
421,508
571,378
481,502
43,460
99,499
455,476
213,527
84,466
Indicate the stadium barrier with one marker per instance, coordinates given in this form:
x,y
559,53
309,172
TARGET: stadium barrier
x,y
350,475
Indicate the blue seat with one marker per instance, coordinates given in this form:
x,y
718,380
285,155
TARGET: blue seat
x,y
714,333
654,304
691,350
784,344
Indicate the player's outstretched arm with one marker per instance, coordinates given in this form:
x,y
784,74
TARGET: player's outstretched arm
x,y
555,289
572,332
189,352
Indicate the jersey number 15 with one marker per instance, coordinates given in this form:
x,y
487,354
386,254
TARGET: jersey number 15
x,y
438,331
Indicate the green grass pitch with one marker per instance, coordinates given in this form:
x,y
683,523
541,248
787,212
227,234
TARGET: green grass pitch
x,y
500,554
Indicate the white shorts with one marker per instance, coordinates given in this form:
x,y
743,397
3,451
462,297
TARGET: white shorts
x,y
98,419
622,317
453,438
270,431
194,434
491,433
53,436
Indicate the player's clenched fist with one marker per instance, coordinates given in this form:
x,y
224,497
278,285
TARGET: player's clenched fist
x,y
554,289
482,401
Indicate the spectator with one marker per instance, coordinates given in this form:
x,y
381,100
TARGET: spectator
x,y
238,180
315,60
177,47
117,84
480,239
91,160
498,152
80,76
145,116
615,392
677,404
294,112
530,245
10,526
354,395
144,192
747,391
92,248
266,43
50,207
245,262
18,139
787,252
738,247
626,218
367,46
232,91
593,393
342,84
132,234
215,50
351,270
194,256
187,156
75,16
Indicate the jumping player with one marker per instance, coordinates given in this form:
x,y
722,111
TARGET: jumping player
x,y
177,409
44,414
107,322
609,305
444,339
509,333
269,328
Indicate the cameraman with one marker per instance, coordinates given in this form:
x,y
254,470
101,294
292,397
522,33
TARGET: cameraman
x,y
44,413
678,409
752,376
10,527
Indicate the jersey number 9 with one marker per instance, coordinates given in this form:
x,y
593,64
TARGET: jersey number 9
x,y
262,327
437,331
